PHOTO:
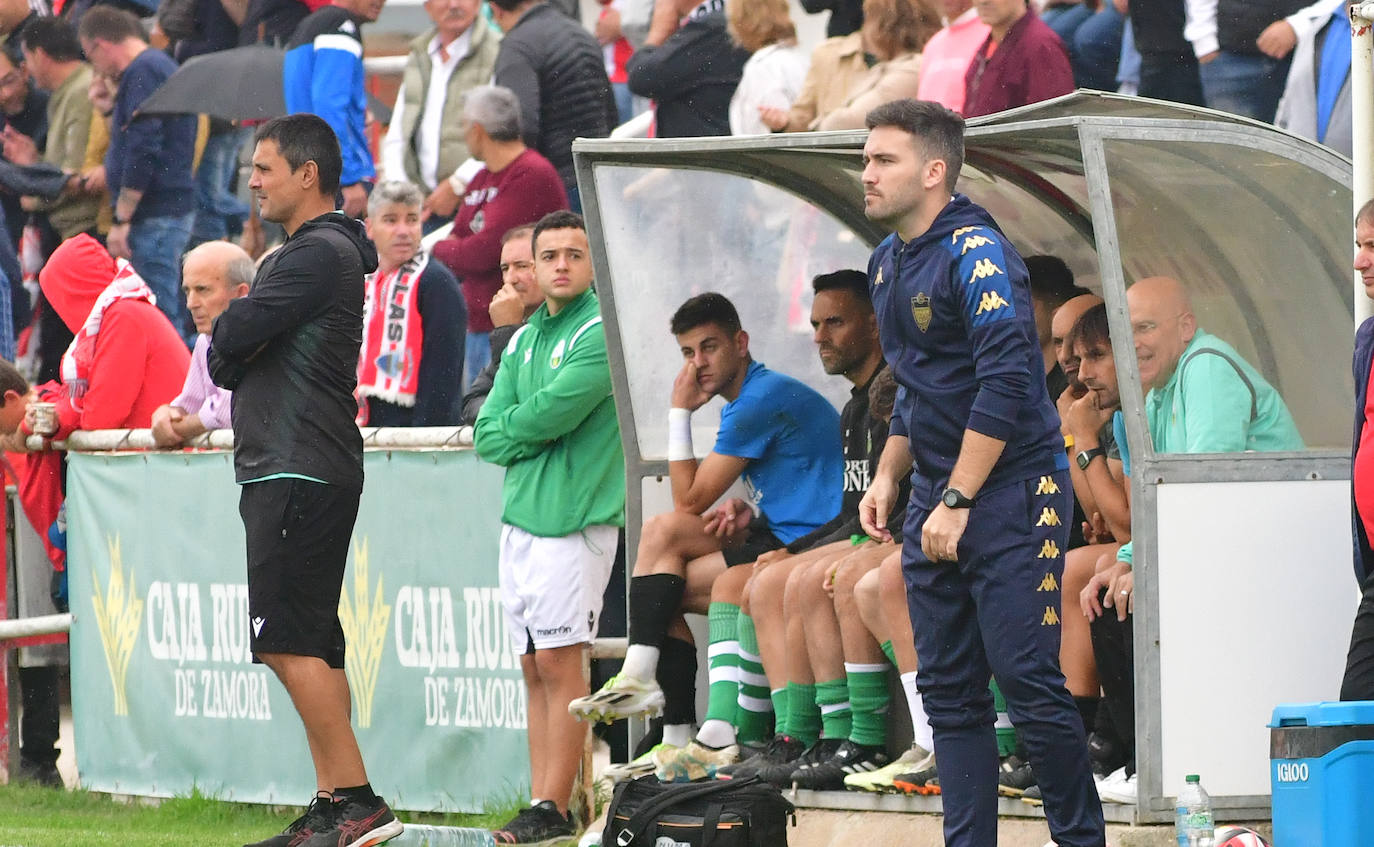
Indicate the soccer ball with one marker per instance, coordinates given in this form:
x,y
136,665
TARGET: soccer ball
x,y
1238,836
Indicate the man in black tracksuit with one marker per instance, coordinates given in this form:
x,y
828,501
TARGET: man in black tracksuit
x,y
289,352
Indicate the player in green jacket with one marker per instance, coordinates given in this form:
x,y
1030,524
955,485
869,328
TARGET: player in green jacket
x,y
550,420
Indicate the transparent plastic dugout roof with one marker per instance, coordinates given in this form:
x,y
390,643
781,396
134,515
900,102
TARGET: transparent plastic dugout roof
x,y
1255,221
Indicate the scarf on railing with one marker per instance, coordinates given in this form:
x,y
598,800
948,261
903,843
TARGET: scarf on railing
x,y
393,334
76,362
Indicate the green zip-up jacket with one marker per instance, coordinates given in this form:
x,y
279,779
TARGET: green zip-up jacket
x,y
550,420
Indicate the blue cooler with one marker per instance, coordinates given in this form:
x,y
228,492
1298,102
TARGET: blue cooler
x,y
1321,773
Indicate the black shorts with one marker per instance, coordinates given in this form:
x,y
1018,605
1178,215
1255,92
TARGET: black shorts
x,y
297,535
759,540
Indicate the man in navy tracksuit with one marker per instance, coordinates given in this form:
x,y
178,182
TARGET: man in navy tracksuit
x,y
990,496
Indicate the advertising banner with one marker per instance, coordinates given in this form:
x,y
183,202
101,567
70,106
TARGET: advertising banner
x,y
166,698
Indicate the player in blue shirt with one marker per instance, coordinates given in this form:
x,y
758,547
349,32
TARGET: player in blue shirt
x,y
990,484
777,435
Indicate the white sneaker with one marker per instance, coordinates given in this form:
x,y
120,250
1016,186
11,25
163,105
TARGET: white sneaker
x,y
620,698
1118,788
916,758
643,765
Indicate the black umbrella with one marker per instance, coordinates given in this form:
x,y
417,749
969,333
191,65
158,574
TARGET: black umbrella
x,y
241,84
40,180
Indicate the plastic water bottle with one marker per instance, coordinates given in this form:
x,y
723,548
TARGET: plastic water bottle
x,y
1193,823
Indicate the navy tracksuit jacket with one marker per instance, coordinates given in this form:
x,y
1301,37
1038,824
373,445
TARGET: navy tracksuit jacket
x,y
954,312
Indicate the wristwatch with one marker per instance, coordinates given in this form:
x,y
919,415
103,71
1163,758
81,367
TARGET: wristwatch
x,y
955,499
1086,457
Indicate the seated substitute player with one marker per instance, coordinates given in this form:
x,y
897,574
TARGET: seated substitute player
x,y
846,337
778,435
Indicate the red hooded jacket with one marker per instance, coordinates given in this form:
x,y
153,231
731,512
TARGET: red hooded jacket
x,y
140,361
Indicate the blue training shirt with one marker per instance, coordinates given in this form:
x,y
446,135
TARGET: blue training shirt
x,y
791,436
323,73
957,327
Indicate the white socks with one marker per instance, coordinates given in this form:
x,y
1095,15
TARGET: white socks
x,y
677,734
641,662
921,732
716,733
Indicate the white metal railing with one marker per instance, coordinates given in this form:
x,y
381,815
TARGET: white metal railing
x,y
374,438
27,627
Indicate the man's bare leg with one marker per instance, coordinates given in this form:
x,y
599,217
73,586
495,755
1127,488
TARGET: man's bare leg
x,y
661,578
322,699
536,719
563,737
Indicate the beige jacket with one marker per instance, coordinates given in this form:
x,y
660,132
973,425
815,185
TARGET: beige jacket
x,y
886,81
837,67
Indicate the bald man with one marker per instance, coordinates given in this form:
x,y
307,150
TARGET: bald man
x,y
212,274
1202,396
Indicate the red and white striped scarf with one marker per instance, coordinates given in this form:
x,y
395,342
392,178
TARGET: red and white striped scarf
x,y
76,362
393,334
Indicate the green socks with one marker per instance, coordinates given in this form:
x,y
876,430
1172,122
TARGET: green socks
x,y
723,661
803,714
868,698
890,653
753,703
836,716
1006,733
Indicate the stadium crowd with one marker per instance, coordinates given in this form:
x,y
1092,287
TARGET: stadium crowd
x,y
124,239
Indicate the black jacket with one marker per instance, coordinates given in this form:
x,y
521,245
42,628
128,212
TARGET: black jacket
x,y
556,69
482,383
289,352
845,15
692,76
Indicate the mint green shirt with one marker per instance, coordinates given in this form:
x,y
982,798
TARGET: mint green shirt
x,y
1216,402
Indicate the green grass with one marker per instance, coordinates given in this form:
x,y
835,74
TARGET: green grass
x,y
31,816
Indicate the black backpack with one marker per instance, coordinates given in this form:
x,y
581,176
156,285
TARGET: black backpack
x,y
722,813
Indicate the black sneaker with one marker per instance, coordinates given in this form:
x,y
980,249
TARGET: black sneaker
x,y
319,815
783,748
782,775
536,824
355,824
849,758
924,782
1014,777
1032,796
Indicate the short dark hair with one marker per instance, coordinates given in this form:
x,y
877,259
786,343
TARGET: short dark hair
x,y
1051,281
522,231
1091,329
939,131
302,138
562,219
110,24
11,380
507,5
14,54
855,282
708,308
54,36
1366,213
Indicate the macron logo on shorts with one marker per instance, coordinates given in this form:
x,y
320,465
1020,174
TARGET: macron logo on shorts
x,y
257,625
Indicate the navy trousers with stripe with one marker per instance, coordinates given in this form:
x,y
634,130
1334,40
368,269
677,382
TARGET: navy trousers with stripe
x,y
996,612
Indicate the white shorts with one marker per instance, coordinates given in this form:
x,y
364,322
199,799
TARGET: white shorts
x,y
552,588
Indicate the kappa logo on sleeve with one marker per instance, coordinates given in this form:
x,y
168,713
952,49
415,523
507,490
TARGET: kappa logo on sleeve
x,y
1049,583
991,301
973,242
1050,618
963,230
984,268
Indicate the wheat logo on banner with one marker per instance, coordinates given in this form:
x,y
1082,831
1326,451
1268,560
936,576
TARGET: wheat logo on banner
x,y
118,614
364,627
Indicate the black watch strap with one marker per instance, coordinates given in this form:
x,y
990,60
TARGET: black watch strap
x,y
955,499
1086,457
